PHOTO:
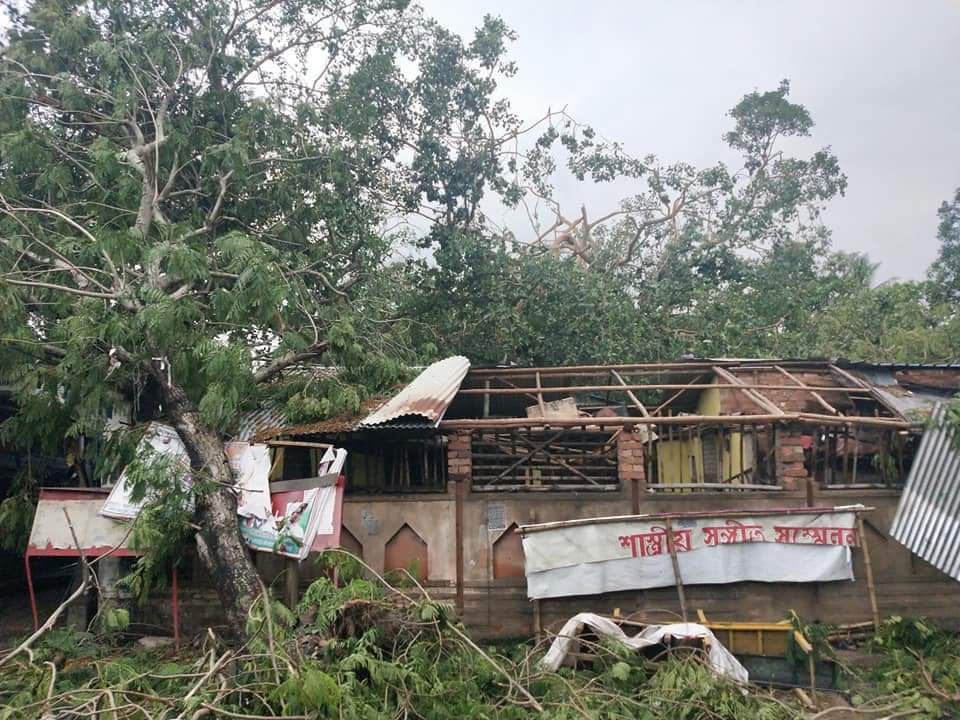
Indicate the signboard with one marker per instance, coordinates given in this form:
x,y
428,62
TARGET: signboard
x,y
299,516
632,553
162,439
51,534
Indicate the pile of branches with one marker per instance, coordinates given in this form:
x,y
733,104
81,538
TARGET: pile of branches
x,y
372,648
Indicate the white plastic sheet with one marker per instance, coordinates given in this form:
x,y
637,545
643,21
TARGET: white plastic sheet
x,y
720,659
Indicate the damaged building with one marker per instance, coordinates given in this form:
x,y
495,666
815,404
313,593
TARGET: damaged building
x,y
442,478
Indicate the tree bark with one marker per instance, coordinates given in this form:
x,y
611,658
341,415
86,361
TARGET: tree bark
x,y
219,544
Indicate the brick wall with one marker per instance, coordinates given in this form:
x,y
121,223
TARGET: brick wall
x,y
788,400
459,453
631,463
791,470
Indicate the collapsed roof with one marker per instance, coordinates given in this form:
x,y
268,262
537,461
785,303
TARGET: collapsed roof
x,y
449,394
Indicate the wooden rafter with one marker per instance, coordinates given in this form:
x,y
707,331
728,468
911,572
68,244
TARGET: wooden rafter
x,y
747,390
817,396
678,393
543,409
633,398
620,421
840,372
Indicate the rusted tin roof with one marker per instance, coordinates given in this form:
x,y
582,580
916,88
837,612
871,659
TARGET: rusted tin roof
x,y
427,397
928,516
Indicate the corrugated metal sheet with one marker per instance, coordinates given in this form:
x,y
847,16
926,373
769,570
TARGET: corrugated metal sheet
x,y
928,516
428,396
262,420
906,401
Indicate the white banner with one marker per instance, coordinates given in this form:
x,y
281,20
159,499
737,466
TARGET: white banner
x,y
631,554
762,562
566,545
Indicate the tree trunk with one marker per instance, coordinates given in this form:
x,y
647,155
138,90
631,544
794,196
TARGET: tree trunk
x,y
219,544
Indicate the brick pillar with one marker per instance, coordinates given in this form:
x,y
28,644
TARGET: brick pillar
x,y
459,453
630,464
791,470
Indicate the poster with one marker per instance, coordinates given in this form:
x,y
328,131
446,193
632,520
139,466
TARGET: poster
x,y
162,439
299,516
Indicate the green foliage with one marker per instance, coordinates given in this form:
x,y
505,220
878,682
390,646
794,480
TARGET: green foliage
x,y
919,666
16,519
816,633
161,530
323,601
114,620
311,691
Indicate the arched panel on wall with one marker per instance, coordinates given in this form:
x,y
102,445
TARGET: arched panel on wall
x,y
349,542
406,550
508,554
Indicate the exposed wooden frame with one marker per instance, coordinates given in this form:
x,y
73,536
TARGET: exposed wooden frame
x,y
619,421
534,449
737,384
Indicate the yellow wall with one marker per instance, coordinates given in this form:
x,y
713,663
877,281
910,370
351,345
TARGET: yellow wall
x,y
681,460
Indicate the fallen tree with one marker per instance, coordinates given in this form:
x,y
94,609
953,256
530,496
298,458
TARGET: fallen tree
x,y
381,647
192,204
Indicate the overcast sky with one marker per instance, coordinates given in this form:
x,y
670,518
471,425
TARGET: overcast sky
x,y
880,79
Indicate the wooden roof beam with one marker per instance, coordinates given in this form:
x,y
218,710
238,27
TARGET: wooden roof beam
x,y
633,398
755,396
678,393
840,372
817,396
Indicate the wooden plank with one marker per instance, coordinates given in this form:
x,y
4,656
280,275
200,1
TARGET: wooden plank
x,y
633,398
677,577
543,409
298,443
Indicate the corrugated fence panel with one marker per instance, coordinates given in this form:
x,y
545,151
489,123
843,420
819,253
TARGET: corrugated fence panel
x,y
927,521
